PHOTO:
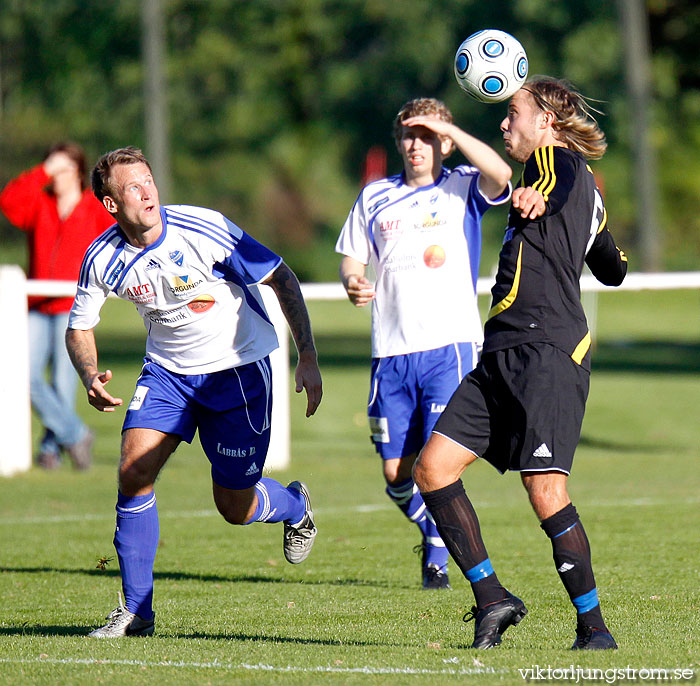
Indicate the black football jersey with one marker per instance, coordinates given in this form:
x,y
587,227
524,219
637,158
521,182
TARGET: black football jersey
x,y
537,296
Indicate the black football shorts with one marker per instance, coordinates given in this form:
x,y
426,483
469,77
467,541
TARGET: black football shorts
x,y
521,409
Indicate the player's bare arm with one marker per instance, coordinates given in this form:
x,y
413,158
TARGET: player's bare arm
x,y
285,284
352,275
495,171
529,201
83,353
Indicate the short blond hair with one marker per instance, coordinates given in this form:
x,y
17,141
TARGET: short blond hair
x,y
420,107
100,174
574,124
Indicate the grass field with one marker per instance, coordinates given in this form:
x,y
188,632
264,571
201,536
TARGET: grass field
x,y
230,610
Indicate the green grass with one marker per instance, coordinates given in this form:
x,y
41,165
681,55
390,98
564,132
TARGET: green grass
x,y
230,610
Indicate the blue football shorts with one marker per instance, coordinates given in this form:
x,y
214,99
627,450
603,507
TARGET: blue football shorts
x,y
231,409
408,393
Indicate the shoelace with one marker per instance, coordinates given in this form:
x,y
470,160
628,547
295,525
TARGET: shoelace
x,y
417,549
470,615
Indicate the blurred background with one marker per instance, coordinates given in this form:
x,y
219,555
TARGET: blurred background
x,y
275,112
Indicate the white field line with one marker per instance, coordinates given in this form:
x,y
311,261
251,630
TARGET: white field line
x,y
109,515
242,666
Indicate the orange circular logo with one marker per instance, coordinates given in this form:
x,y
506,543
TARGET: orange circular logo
x,y
201,304
434,256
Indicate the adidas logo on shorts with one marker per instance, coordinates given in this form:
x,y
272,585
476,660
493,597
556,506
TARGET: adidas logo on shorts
x,y
253,469
542,451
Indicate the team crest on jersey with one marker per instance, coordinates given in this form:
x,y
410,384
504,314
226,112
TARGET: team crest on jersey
x,y
177,257
114,274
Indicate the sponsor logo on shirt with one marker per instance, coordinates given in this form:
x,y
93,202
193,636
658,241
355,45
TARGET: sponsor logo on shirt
x,y
379,429
201,304
434,256
140,294
235,452
390,228
139,397
114,274
430,221
403,263
177,257
182,285
161,317
373,208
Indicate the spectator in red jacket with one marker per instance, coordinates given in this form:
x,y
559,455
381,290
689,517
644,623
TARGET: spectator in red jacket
x,y
61,218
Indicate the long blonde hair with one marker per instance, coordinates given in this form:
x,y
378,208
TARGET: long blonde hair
x,y
574,124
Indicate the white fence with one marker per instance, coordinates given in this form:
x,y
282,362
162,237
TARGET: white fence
x,y
15,413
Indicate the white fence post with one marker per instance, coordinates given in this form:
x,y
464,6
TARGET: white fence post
x,y
15,412
15,409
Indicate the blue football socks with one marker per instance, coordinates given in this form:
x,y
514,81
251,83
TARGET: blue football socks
x,y
409,500
136,541
276,503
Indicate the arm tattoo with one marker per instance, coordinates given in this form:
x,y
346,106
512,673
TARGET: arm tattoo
x,y
82,352
286,287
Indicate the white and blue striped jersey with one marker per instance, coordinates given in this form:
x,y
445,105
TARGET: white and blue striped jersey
x,y
424,245
195,289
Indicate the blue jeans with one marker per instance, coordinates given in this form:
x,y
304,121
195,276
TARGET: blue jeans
x,y
53,400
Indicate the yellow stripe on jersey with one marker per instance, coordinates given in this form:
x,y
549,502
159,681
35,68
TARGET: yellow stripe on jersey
x,y
545,163
623,257
581,349
510,298
604,222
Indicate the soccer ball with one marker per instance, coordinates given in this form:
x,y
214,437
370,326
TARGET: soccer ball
x,y
490,65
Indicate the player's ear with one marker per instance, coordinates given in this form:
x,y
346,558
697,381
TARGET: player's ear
x,y
110,204
548,119
446,146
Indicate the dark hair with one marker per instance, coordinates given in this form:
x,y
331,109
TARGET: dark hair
x,y
75,152
419,107
574,124
100,174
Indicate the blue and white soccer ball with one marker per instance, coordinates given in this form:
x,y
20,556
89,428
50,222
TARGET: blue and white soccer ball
x,y
491,65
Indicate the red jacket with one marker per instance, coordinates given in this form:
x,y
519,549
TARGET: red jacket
x,y
56,246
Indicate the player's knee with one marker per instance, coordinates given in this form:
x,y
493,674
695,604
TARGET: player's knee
x,y
422,473
133,477
547,492
235,517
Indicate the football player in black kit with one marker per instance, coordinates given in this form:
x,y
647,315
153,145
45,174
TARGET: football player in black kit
x,y
521,409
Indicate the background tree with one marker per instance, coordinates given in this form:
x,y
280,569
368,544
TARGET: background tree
x,y
274,104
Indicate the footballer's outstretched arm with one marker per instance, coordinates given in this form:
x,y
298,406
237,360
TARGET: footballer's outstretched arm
x,y
83,354
495,171
285,284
